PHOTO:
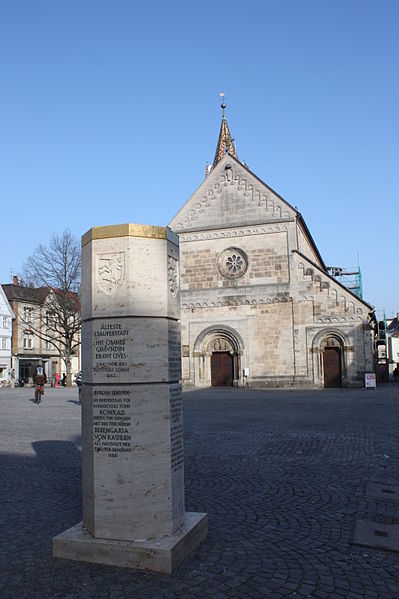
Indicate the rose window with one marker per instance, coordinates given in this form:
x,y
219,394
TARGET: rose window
x,y
232,263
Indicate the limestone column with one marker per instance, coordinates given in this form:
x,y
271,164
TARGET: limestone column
x,y
132,428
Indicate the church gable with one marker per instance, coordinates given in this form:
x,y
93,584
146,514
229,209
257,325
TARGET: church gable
x,y
231,196
333,303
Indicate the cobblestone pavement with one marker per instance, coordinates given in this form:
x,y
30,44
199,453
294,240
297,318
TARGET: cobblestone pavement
x,y
281,475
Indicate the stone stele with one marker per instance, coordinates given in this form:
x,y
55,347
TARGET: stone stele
x,y
132,424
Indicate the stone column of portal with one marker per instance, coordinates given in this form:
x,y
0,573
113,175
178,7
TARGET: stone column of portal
x,y
132,433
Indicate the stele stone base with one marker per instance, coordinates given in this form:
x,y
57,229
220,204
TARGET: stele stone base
x,y
164,554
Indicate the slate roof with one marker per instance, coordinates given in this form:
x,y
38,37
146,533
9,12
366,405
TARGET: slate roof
x,y
25,294
37,296
225,142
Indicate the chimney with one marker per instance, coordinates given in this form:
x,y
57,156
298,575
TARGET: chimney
x,y
15,280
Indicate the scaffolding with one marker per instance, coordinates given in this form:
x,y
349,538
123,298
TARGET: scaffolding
x,y
351,278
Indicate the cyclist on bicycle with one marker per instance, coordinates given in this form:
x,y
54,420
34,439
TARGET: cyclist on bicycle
x,y
39,378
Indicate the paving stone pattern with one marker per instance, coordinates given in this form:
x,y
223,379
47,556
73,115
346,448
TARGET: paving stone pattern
x,y
281,474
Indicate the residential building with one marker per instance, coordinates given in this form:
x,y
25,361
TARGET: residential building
x,y
393,343
6,318
35,339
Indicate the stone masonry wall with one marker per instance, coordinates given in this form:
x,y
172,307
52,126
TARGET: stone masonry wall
x,y
266,331
266,255
271,348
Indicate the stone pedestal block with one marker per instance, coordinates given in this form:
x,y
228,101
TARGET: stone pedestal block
x,y
130,270
133,485
163,554
132,425
131,350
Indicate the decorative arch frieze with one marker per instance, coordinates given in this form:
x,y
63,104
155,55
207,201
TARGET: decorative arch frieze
x,y
337,319
239,301
236,232
233,177
350,306
346,304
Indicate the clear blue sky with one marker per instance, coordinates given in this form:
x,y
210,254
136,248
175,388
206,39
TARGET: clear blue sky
x,y
97,96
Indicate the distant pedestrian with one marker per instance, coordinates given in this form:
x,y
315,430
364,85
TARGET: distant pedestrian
x,y
63,381
396,374
57,380
13,378
78,381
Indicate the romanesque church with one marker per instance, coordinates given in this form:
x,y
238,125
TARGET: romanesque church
x,y
259,308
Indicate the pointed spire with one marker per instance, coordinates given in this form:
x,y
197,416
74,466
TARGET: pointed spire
x,y
225,142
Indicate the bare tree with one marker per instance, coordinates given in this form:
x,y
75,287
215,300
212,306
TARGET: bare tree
x,y
54,270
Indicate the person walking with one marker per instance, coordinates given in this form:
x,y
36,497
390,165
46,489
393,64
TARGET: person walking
x,y
78,381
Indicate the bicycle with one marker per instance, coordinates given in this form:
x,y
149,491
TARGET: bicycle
x,y
38,393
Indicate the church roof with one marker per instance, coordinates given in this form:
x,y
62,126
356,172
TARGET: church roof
x,y
225,142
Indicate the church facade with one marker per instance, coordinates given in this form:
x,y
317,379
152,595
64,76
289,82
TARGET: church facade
x,y
259,308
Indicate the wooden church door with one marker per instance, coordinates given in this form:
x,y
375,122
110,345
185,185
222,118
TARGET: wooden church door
x,y
221,369
332,367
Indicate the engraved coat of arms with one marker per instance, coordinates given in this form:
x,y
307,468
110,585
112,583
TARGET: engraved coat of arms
x,y
173,276
110,271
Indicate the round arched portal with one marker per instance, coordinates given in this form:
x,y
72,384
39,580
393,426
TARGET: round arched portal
x,y
218,350
330,350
